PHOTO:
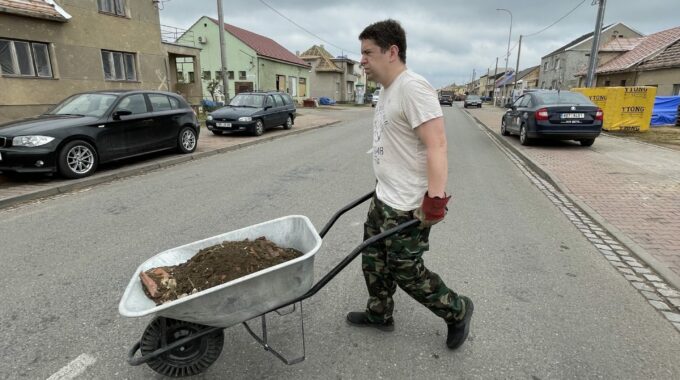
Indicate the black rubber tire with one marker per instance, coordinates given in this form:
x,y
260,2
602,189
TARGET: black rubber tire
x,y
187,140
289,123
523,138
258,128
504,129
188,360
66,170
587,142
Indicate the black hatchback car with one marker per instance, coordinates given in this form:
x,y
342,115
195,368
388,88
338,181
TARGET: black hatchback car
x,y
253,112
561,115
95,127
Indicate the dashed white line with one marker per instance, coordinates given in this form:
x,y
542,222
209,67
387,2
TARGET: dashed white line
x,y
75,368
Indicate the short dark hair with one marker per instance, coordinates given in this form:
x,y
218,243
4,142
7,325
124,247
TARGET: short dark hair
x,y
385,34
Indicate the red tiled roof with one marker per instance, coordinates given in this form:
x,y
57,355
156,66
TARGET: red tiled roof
x,y
647,48
264,46
621,44
668,58
32,8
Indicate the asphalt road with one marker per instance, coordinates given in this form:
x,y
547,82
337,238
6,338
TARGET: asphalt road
x,y
547,304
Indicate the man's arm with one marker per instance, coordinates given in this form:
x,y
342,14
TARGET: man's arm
x,y
433,135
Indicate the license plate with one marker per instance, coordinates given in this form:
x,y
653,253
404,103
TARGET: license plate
x,y
224,125
573,116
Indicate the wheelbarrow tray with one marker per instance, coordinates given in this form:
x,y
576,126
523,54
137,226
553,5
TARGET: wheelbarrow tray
x,y
243,298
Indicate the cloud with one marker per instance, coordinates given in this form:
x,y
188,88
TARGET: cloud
x,y
446,39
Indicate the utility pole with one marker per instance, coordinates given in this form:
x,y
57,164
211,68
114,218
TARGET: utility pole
x,y
519,50
223,53
495,72
486,85
596,43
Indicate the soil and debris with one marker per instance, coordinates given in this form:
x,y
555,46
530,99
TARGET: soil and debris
x,y
213,266
667,136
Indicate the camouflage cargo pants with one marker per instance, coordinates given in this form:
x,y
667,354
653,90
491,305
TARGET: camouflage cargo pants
x,y
398,260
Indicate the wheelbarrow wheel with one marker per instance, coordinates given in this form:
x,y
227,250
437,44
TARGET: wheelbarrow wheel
x,y
187,360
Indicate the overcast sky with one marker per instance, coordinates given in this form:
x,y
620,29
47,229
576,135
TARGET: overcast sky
x,y
446,39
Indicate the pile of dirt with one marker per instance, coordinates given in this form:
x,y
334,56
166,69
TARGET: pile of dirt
x,y
213,266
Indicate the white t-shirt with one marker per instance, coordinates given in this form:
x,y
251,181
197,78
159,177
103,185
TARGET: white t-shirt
x,y
399,157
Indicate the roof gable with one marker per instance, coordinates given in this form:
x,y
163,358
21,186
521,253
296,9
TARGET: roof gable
x,y
263,46
45,9
647,49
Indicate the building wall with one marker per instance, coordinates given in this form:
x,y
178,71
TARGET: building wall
x,y
575,59
663,79
614,80
324,83
270,69
260,71
75,54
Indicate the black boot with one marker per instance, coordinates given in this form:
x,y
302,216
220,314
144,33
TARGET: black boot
x,y
360,319
459,330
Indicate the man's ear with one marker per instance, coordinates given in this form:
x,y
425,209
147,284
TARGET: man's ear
x,y
394,53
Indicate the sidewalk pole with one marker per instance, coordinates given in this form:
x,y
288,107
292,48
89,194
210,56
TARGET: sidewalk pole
x,y
223,53
493,86
519,51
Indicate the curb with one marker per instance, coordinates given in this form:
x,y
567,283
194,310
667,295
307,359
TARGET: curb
x,y
125,173
638,251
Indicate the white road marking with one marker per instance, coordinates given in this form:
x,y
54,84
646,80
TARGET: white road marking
x,y
74,368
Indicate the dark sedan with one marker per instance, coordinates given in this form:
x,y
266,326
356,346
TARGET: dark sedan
x,y
446,99
253,112
561,115
472,101
96,127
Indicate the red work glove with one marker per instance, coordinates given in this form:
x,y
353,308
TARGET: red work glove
x,y
433,210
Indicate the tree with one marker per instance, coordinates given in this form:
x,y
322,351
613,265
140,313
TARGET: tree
x,y
214,86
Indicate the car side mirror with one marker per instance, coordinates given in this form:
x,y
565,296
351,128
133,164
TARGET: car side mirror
x,y
119,113
267,107
508,105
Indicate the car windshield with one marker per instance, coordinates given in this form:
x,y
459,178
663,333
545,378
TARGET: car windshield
x,y
84,105
473,97
563,97
241,100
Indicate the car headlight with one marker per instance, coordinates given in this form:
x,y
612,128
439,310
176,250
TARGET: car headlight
x,y
209,117
31,141
245,118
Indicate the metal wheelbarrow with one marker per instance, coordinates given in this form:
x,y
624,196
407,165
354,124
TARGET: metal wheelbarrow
x,y
187,336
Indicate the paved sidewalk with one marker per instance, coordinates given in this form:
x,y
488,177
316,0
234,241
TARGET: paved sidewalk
x,y
634,186
17,190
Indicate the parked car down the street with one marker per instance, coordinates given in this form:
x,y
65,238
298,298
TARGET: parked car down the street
x,y
253,112
561,115
375,98
446,100
472,101
96,127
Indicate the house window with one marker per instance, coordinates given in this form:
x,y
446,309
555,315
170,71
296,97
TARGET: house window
x,y
545,66
280,83
607,83
231,74
114,7
26,59
676,89
292,86
218,75
206,75
337,87
192,78
241,75
623,82
119,66
350,87
557,64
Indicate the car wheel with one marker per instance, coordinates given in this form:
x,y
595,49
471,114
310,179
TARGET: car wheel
x,y
187,140
587,142
77,159
258,129
289,123
504,129
523,138
218,133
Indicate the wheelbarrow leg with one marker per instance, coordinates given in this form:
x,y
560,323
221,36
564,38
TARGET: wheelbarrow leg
x,y
263,340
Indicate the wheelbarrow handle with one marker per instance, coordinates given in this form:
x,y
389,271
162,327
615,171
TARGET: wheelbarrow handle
x,y
338,268
338,214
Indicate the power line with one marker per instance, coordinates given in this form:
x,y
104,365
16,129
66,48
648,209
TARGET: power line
x,y
307,31
558,20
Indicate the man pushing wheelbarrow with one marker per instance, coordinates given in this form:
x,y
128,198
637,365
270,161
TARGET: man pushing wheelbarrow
x,y
410,164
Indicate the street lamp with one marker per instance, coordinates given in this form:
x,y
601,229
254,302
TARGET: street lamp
x,y
507,55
